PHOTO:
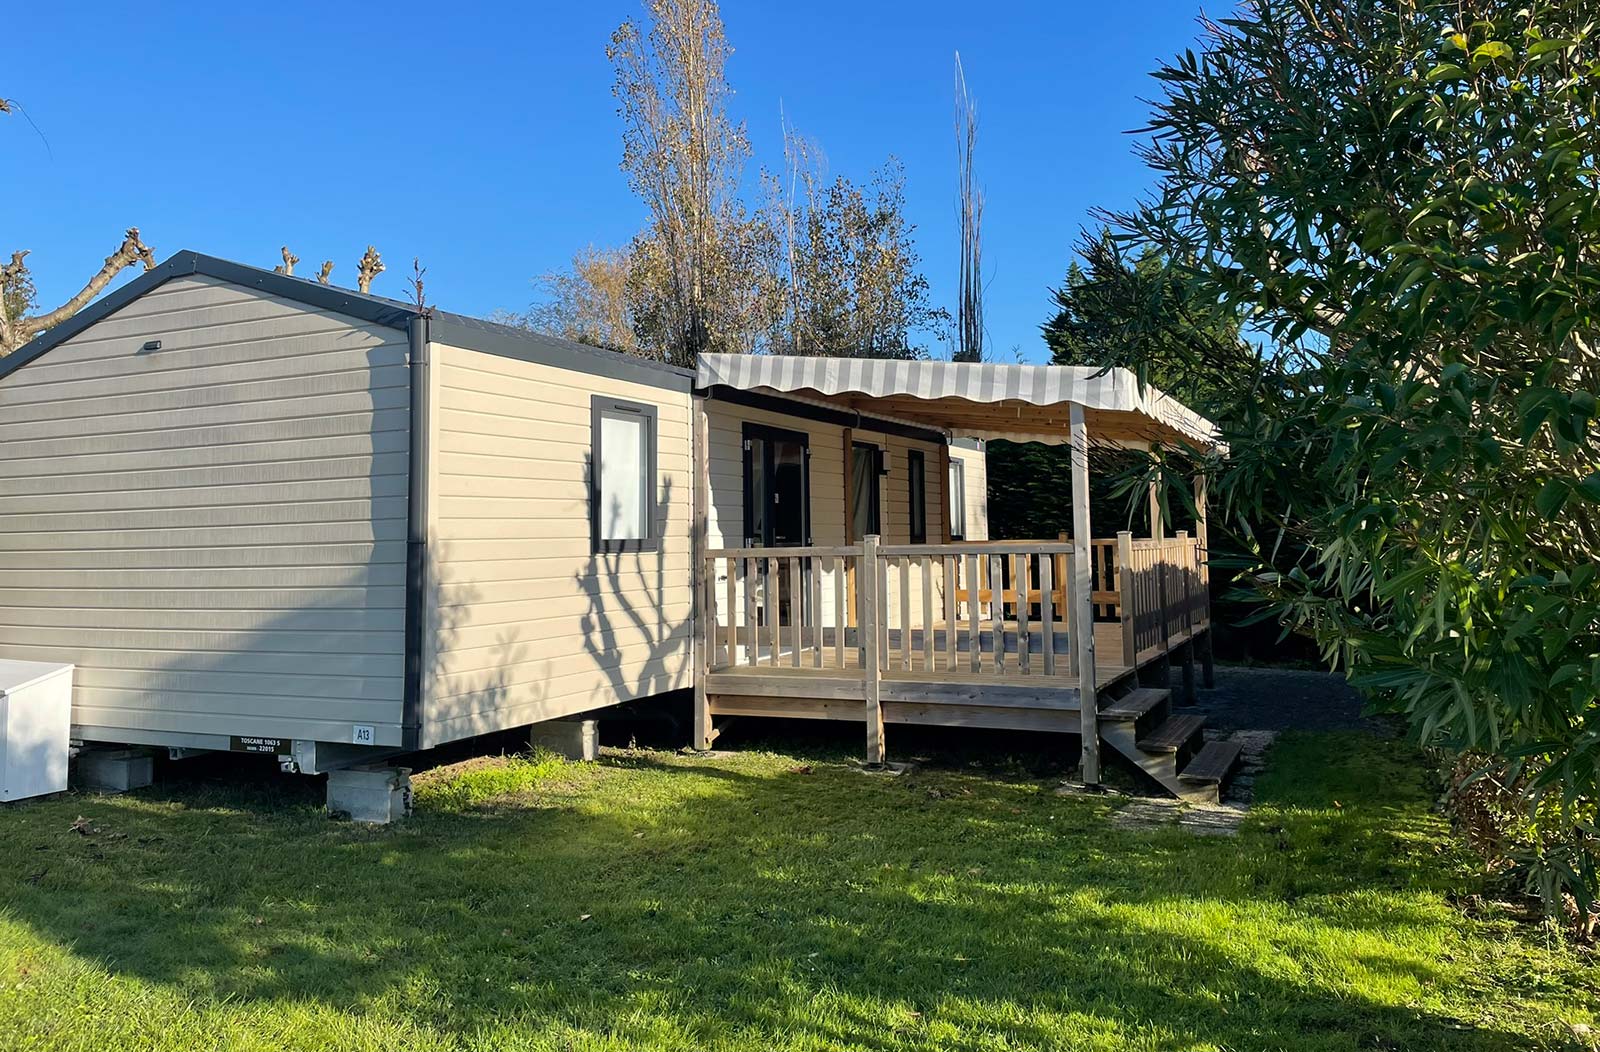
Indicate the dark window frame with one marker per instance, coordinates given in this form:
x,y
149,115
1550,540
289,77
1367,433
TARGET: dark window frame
x,y
600,407
875,493
917,494
956,499
769,434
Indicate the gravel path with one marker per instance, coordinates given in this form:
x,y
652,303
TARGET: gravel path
x,y
1274,699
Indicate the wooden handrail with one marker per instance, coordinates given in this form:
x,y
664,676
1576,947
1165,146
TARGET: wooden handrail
x,y
792,552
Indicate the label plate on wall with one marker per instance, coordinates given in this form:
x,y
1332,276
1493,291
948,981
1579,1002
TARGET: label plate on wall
x,y
253,743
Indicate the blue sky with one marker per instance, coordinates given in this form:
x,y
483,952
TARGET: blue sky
x,y
484,138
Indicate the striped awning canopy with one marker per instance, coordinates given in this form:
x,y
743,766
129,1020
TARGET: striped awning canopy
x,y
1023,403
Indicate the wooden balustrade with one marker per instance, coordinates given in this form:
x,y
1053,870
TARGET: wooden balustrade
x,y
991,608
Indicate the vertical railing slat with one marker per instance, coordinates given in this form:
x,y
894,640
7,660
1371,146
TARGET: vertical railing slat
x,y
1074,638
974,641
710,614
1021,573
769,599
1047,613
752,633
797,600
733,611
997,610
926,563
816,612
950,625
904,568
840,616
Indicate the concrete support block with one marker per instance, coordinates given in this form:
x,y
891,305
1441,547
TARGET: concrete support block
x,y
574,739
113,770
370,793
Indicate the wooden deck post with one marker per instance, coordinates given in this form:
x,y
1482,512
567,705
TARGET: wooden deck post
x,y
1186,600
867,580
1125,600
1083,600
1208,668
1157,527
705,581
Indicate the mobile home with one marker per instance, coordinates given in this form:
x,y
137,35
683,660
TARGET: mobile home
x,y
262,513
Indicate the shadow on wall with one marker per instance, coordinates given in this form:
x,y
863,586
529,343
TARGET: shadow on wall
x,y
469,677
333,655
628,612
308,632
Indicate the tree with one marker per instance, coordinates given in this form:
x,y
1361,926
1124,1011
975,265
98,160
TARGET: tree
x,y
18,325
589,302
1149,314
969,213
1402,199
852,285
703,282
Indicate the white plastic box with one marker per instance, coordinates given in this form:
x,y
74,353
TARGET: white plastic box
x,y
35,727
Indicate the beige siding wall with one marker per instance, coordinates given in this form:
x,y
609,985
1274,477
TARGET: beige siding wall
x,y
725,521
524,623
977,500
213,532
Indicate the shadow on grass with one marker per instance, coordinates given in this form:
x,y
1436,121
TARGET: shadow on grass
x,y
670,902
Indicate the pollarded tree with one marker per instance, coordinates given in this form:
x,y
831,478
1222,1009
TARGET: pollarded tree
x,y
1403,199
18,324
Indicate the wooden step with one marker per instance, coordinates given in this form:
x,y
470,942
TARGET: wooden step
x,y
1134,704
1212,764
1173,735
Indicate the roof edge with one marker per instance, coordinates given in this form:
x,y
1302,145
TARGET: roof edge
x,y
360,306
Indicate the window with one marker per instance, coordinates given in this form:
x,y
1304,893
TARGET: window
x,y
917,482
958,500
622,476
866,514
777,487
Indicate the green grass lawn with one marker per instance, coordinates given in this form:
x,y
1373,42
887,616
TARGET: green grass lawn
x,y
766,901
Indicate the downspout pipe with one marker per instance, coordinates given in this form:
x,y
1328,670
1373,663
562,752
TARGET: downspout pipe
x,y
417,511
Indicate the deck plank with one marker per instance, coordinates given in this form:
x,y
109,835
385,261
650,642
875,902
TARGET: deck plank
x,y
1212,764
1172,735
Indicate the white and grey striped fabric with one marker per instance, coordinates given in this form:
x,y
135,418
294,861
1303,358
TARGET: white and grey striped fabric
x,y
1111,390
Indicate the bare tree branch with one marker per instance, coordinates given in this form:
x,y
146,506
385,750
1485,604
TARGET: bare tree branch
x,y
369,267
289,260
14,332
326,272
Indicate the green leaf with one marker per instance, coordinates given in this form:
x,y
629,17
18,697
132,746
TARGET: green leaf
x,y
1552,497
1446,71
1544,47
1492,49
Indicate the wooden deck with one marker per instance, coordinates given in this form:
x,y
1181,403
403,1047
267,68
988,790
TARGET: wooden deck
x,y
981,636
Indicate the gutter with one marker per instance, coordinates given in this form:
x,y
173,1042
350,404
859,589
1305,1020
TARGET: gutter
x,y
417,512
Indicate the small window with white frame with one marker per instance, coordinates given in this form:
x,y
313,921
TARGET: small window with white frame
x,y
958,500
622,476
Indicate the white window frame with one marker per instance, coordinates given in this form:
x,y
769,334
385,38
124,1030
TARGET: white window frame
x,y
957,485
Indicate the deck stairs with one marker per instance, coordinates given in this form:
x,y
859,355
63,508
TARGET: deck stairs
x,y
1138,722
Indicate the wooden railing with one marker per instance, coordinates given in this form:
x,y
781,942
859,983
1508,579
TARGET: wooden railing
x,y
1164,594
971,608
